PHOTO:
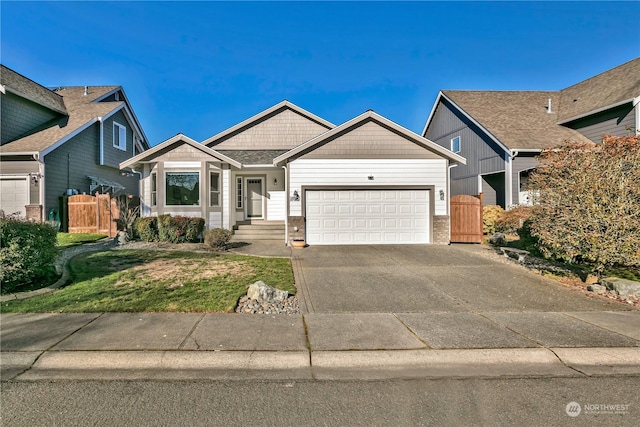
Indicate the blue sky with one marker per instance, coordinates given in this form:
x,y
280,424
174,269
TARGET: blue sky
x,y
201,67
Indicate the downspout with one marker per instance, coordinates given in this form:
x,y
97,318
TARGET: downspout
x,y
286,213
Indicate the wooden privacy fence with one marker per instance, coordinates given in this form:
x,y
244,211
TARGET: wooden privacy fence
x,y
466,219
93,214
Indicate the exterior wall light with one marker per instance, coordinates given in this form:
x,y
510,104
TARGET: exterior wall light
x,y
441,194
296,196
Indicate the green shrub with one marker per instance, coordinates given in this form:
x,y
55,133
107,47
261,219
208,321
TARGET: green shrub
x,y
509,222
147,228
589,203
179,229
218,238
528,242
490,214
28,253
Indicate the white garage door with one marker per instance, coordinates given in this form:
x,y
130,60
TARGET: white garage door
x,y
14,195
353,217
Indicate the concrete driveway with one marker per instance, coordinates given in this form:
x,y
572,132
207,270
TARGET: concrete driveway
x,y
428,279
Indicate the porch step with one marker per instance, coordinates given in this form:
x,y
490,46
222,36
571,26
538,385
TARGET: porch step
x,y
265,230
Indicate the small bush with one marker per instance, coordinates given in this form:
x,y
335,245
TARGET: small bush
x,y
179,229
28,253
147,228
490,214
509,222
527,241
218,238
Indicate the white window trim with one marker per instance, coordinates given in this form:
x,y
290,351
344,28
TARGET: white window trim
x,y
459,144
211,204
199,186
154,191
120,128
239,193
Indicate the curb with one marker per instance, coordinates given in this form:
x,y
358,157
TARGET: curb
x,y
322,365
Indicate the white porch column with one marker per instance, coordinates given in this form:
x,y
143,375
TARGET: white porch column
x,y
226,198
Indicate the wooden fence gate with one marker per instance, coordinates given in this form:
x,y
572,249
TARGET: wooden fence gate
x,y
466,219
93,214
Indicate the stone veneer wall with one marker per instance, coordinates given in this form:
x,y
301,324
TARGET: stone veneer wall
x,y
441,231
296,221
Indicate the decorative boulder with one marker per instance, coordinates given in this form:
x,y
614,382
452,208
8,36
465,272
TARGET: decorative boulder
x,y
622,287
498,239
264,293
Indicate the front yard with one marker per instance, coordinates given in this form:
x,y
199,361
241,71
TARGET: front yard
x,y
133,280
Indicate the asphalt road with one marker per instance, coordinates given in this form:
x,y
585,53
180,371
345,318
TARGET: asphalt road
x,y
455,402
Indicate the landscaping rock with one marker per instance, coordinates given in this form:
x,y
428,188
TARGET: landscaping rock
x,y
498,239
517,254
622,287
247,305
262,292
598,289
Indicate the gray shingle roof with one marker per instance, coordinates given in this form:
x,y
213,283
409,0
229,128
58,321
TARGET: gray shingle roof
x,y
253,157
609,88
519,119
81,111
31,90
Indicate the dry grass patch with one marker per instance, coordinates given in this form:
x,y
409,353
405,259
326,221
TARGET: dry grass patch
x,y
157,281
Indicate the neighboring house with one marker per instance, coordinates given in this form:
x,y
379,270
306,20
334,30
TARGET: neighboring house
x,y
368,180
500,133
67,140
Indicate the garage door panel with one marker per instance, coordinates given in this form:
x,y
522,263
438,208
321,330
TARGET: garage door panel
x,y
367,216
14,195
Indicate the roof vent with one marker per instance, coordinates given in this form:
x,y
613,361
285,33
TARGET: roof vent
x,y
86,90
549,106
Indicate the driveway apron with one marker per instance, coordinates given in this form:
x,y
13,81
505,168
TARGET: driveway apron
x,y
427,279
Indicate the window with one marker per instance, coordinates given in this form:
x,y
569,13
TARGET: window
x,y
214,189
239,193
154,189
455,144
119,136
183,188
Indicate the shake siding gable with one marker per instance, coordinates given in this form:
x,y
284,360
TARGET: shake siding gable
x,y
20,116
370,141
112,155
280,131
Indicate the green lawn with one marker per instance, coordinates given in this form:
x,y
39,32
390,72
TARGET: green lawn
x,y
66,240
158,281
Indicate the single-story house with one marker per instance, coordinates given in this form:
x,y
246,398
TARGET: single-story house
x,y
366,181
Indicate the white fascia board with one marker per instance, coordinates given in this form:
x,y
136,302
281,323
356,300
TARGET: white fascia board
x,y
266,166
599,110
475,122
380,119
433,111
19,153
265,113
50,148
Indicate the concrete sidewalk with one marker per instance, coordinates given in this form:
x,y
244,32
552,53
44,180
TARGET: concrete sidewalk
x,y
318,346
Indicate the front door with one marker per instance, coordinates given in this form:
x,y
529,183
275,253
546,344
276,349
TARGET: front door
x,y
254,198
